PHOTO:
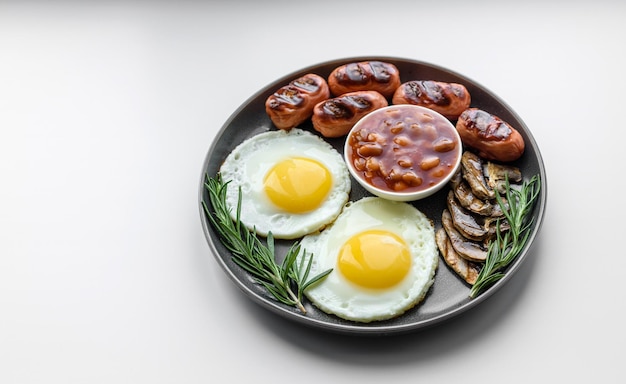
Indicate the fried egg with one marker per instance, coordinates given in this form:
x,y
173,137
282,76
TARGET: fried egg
x,y
292,183
383,255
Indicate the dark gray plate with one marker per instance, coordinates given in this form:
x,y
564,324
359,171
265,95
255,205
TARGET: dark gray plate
x,y
448,297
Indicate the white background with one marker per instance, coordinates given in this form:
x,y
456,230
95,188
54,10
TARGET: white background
x,y
107,110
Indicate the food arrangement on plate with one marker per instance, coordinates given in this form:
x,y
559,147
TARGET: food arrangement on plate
x,y
438,180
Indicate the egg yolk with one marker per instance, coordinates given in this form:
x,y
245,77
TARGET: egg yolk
x,y
298,184
374,259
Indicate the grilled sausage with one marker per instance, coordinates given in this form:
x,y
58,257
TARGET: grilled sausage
x,y
449,99
335,117
490,136
293,103
377,76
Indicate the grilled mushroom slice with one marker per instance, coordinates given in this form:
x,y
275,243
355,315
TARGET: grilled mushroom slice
x,y
473,173
496,212
456,179
466,223
467,249
491,225
469,201
497,174
466,269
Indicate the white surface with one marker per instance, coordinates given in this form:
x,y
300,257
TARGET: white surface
x,y
107,111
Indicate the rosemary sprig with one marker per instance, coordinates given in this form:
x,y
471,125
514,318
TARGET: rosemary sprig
x,y
507,246
286,281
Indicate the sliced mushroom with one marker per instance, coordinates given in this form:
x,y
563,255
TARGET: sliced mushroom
x,y
467,249
496,212
466,269
498,173
467,224
491,225
456,179
469,201
473,173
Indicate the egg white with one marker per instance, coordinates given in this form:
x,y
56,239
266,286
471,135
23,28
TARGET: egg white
x,y
336,295
246,166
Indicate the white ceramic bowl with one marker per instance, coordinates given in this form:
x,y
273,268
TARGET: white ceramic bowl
x,y
413,137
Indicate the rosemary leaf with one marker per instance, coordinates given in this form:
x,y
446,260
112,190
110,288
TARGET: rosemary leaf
x,y
286,281
505,248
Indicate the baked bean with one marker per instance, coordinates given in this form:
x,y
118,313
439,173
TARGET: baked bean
x,y
427,117
412,179
397,128
375,137
405,162
370,149
444,144
438,173
429,163
395,175
402,140
372,164
359,164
